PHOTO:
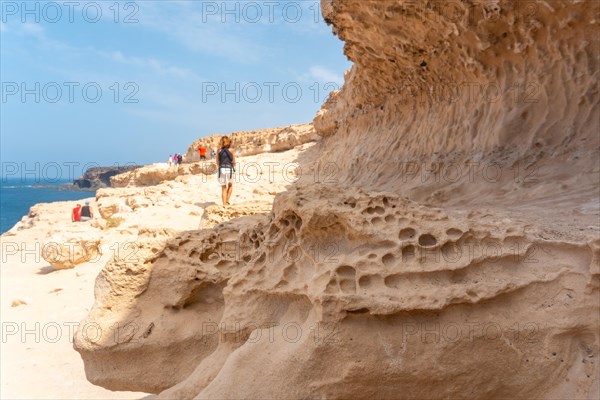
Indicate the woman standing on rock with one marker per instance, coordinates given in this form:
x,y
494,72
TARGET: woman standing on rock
x,y
225,168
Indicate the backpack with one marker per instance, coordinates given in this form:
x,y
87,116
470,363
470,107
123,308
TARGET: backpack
x,y
228,163
228,159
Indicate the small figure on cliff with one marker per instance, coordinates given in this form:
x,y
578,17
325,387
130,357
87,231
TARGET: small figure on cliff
x,y
202,151
86,212
170,162
213,153
179,159
76,213
226,168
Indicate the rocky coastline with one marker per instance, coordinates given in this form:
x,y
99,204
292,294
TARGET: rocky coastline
x,y
99,177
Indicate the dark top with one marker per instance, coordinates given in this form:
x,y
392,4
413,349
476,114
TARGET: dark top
x,y
85,211
225,158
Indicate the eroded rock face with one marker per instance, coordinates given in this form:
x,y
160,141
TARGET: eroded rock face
x,y
370,285
376,275
451,78
181,331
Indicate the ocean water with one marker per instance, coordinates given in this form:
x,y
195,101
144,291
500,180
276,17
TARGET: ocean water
x,y
18,195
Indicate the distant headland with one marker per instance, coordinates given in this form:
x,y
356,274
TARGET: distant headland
x,y
99,177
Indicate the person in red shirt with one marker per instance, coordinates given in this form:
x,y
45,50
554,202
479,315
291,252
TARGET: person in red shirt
x,y
76,214
202,151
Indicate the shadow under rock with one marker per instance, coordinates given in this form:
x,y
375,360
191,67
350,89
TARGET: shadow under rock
x,y
46,270
205,204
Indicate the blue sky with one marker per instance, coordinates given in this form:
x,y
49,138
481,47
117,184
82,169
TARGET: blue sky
x,y
132,82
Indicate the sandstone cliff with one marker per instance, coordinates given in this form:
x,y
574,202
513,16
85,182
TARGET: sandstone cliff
x,y
438,244
247,143
154,174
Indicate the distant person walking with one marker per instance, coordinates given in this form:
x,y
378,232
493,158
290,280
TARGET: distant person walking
x,y
170,161
225,169
76,213
202,151
179,159
212,153
86,212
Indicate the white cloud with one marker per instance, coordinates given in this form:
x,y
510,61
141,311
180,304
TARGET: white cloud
x,y
200,31
36,32
155,65
32,29
325,75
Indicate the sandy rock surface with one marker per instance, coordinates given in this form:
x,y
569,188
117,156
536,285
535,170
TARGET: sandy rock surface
x,y
68,250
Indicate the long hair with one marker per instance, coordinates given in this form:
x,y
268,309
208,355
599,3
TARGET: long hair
x,y
225,142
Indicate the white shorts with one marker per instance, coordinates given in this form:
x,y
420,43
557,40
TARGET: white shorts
x,y
226,176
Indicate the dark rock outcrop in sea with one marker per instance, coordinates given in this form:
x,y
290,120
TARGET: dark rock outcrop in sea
x,y
99,177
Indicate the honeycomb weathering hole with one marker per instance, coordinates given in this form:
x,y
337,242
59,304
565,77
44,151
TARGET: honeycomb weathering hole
x,y
453,232
392,281
364,281
407,233
348,285
375,210
427,240
346,270
273,230
388,259
351,203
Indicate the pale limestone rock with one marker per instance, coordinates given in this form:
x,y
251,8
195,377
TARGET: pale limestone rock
x,y
18,302
216,214
65,251
98,223
108,206
136,202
